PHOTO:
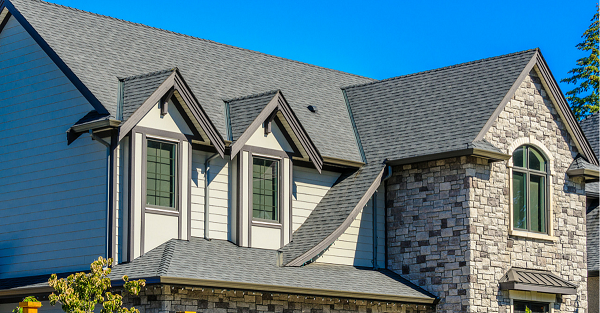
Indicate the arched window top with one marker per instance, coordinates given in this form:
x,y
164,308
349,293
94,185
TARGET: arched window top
x,y
529,157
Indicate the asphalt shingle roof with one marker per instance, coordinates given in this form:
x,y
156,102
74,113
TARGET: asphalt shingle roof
x,y
581,163
435,111
592,131
98,49
243,111
202,259
137,89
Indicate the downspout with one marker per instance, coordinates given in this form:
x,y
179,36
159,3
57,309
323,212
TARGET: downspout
x,y
108,172
206,194
375,229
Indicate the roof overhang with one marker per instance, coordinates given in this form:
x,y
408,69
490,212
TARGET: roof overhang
x,y
529,287
284,289
96,126
493,156
590,175
536,280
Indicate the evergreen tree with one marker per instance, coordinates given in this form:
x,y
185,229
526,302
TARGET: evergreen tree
x,y
584,98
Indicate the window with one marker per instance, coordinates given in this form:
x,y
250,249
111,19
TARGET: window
x,y
265,189
529,190
530,307
160,174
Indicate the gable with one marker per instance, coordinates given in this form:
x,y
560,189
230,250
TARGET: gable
x,y
173,121
274,140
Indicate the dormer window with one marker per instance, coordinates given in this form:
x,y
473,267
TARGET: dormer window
x,y
160,176
529,190
265,189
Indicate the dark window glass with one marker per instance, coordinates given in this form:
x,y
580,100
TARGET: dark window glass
x,y
160,174
537,202
536,160
265,189
529,184
530,307
519,157
519,196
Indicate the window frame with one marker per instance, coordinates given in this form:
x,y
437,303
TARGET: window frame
x,y
519,301
528,172
549,235
280,192
177,181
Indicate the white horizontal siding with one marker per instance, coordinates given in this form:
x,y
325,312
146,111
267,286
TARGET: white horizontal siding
x,y
355,245
52,196
307,191
219,197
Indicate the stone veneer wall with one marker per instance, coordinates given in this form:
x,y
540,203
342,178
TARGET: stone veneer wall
x,y
529,114
448,220
428,228
170,299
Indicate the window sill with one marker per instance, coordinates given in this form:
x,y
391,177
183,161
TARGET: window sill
x,y
264,223
161,211
526,234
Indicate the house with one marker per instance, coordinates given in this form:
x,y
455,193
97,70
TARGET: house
x,y
234,181
590,127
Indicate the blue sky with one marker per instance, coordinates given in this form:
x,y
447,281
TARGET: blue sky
x,y
377,39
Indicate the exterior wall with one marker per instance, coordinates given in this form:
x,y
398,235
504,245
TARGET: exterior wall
x,y
53,198
494,250
427,228
448,220
166,298
355,245
308,190
219,196
153,226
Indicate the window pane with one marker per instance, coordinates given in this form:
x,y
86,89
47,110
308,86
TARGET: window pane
x,y
536,160
537,203
160,174
519,203
264,188
519,157
522,307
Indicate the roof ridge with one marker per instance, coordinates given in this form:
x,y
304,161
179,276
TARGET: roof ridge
x,y
589,117
124,79
253,95
441,68
167,256
198,38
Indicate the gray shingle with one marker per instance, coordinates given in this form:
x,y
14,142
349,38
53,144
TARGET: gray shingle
x,y
243,111
591,129
333,209
202,259
435,111
581,163
593,239
137,89
98,49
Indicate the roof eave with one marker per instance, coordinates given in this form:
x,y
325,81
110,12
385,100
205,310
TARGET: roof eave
x,y
493,156
590,175
97,125
285,289
511,285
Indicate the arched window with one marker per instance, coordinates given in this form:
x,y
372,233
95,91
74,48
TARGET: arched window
x,y
530,189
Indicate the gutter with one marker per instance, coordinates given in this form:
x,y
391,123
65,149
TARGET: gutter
x,y
283,289
206,194
588,174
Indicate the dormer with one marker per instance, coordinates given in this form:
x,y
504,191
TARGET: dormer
x,y
266,138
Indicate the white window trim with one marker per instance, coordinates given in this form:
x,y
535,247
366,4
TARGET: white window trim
x,y
531,141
